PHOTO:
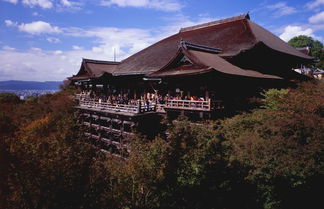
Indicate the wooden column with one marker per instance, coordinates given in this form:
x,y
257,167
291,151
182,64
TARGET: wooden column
x,y
138,106
94,87
105,88
207,95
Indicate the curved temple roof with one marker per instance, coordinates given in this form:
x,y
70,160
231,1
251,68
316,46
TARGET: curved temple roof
x,y
94,69
228,37
202,62
233,36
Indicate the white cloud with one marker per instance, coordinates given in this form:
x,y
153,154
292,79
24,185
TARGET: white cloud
x,y
45,4
57,52
34,28
38,27
59,5
35,14
165,5
292,31
38,64
315,4
126,41
281,9
8,48
66,3
33,65
36,49
10,23
75,47
12,1
70,6
53,40
318,18
41,65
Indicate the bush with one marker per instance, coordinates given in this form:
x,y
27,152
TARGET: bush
x,y
10,98
282,146
273,97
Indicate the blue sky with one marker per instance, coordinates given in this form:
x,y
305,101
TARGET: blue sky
x,y
45,40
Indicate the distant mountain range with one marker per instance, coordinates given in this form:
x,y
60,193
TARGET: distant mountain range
x,y
30,85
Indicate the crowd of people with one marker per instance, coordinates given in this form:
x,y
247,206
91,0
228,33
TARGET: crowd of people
x,y
146,99
117,99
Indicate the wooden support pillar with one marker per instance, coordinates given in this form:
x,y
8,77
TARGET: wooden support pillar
x,y
207,95
88,85
121,132
110,125
90,121
138,106
135,94
105,88
94,86
99,126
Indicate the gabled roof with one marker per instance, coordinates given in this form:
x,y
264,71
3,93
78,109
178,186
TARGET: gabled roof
x,y
94,69
264,36
233,36
186,45
193,61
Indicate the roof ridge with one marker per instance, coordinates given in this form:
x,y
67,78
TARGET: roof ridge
x,y
100,61
221,21
198,47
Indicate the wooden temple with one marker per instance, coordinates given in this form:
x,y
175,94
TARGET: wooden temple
x,y
203,72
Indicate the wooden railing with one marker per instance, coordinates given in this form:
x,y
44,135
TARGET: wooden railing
x,y
217,104
81,96
189,105
195,105
140,107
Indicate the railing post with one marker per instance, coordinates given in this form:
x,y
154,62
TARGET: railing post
x,y
209,104
138,106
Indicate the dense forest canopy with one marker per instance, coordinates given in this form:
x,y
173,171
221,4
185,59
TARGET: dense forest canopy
x,y
270,157
316,48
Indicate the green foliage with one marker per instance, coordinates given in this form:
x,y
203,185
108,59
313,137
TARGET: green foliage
x,y
6,124
46,160
316,47
282,147
9,98
273,97
301,41
269,158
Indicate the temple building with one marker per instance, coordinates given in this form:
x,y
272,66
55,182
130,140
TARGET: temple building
x,y
202,71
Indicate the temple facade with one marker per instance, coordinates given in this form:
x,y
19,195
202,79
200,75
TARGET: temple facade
x,y
203,71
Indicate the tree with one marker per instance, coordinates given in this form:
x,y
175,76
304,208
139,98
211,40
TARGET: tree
x,y
45,162
9,98
316,47
281,146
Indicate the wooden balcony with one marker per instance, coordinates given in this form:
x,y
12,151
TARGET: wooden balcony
x,y
142,107
132,108
208,105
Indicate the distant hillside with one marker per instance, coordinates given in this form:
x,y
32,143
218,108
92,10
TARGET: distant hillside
x,y
30,85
